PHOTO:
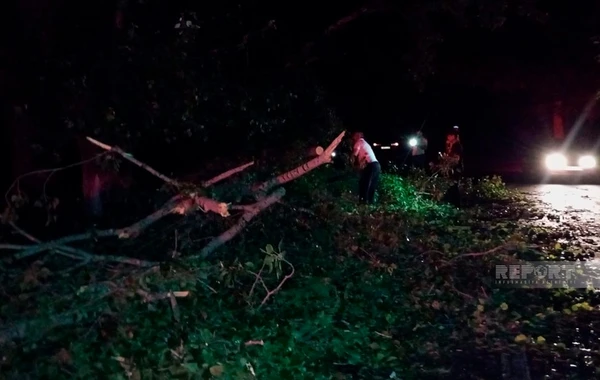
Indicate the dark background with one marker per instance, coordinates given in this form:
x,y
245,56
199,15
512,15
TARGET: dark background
x,y
494,68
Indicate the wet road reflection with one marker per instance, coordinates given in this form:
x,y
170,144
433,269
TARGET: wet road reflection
x,y
581,201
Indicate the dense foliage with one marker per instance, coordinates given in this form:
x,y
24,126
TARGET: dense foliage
x,y
372,292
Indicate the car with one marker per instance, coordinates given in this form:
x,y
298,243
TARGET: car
x,y
560,162
391,153
576,161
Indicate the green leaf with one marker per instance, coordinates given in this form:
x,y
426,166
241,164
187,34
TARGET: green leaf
x,y
270,250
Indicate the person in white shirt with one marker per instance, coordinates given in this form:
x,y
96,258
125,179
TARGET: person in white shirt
x,y
364,158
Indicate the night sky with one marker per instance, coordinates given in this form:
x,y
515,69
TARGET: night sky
x,y
386,69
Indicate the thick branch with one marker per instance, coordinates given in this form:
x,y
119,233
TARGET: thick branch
x,y
300,170
177,204
251,212
79,254
35,249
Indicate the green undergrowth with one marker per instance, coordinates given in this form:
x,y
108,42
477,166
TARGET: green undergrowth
x,y
315,288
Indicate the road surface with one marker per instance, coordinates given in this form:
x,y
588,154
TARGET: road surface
x,y
571,209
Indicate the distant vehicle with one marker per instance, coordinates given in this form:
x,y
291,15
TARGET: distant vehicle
x,y
576,160
391,152
572,160
574,154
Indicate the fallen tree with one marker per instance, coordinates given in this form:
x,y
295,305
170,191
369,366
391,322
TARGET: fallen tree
x,y
188,199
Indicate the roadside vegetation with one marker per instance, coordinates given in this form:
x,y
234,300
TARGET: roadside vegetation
x,y
314,288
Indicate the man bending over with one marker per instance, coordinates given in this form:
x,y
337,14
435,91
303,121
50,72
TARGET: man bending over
x,y
365,160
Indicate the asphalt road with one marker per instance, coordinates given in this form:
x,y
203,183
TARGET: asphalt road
x,y
573,209
582,200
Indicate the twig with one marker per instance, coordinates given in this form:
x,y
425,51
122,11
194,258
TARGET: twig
x,y
24,233
465,295
254,343
148,297
51,171
274,291
490,251
484,292
294,208
384,335
257,276
135,161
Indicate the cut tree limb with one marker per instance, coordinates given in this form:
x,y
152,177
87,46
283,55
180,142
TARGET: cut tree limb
x,y
242,223
300,170
79,254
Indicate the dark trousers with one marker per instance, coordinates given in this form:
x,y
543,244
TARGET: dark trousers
x,y
369,180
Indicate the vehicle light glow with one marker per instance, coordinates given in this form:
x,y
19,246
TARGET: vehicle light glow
x,y
556,161
385,147
587,162
412,142
395,144
332,154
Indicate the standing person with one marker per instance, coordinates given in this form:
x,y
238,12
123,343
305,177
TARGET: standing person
x,y
365,160
418,150
451,138
454,150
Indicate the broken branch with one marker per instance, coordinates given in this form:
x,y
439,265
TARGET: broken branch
x,y
129,157
300,170
242,222
227,174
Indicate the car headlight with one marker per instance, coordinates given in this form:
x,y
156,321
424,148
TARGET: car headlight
x,y
412,142
587,162
556,161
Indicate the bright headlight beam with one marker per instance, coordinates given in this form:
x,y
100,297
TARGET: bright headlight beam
x,y
587,162
556,161
412,142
